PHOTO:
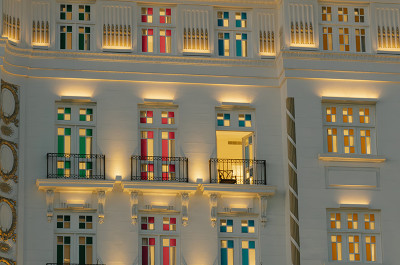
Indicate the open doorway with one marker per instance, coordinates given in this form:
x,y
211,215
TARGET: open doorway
x,y
235,157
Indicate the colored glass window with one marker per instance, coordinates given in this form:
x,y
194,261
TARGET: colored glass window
x,y
241,19
85,141
84,12
344,39
226,226
63,249
165,15
63,221
352,221
354,248
241,44
148,251
66,12
146,116
85,222
326,13
147,170
165,41
343,14
84,38
224,119
369,221
147,143
347,115
168,144
169,251
335,220
147,40
86,114
168,172
244,120
248,226
169,224
336,247
66,37
147,14
147,223
85,169
223,19
63,168
348,138
370,248
364,115
168,117
223,44
332,140
64,114
227,253
248,252
64,140
359,15
365,141
85,250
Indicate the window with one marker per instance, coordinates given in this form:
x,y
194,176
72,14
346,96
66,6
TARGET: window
x,y
158,135
232,33
349,129
156,31
237,240
235,161
159,239
354,235
76,141
75,238
344,28
75,27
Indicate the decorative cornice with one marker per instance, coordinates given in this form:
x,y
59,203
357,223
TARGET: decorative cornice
x,y
235,190
155,187
351,158
74,185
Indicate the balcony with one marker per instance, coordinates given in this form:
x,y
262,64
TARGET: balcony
x,y
158,168
75,166
238,171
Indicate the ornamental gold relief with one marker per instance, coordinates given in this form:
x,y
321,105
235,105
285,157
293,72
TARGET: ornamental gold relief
x,y
4,261
4,247
10,103
8,160
5,187
8,219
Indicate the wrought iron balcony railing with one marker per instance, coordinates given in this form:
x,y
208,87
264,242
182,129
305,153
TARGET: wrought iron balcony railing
x,y
75,166
159,168
238,171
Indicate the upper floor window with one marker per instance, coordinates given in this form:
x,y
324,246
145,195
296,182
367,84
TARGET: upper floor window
x,y
344,28
354,235
159,239
157,28
349,129
75,238
237,240
75,27
232,33
76,141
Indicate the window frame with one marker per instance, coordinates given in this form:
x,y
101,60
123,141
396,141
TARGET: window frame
x,y
345,232
355,125
335,24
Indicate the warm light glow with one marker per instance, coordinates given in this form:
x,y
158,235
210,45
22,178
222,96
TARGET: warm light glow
x,y
239,206
75,90
75,202
159,203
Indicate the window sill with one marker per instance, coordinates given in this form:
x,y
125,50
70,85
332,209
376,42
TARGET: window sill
x,y
303,47
118,50
389,51
351,158
207,54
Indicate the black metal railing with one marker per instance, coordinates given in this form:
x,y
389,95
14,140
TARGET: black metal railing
x,y
72,264
238,171
75,166
158,168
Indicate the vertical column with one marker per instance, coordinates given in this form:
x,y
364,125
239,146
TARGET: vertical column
x,y
9,119
293,196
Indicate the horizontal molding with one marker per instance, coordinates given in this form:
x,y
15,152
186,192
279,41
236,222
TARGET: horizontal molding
x,y
352,158
346,100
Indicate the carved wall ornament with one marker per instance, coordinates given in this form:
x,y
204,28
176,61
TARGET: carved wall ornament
x,y
263,210
6,130
5,187
185,208
50,204
4,247
135,206
6,261
8,160
8,219
213,208
10,103
101,196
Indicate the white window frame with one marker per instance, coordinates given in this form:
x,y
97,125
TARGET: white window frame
x,y
238,237
355,125
351,25
361,232
74,232
76,23
157,26
158,233
232,30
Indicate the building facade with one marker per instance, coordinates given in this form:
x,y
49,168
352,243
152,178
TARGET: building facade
x,y
199,132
